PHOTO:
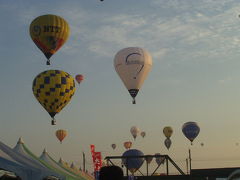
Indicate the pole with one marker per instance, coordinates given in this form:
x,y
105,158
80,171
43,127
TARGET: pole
x,y
84,162
167,166
147,168
187,164
190,161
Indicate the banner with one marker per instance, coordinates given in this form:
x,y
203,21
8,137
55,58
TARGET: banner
x,y
98,161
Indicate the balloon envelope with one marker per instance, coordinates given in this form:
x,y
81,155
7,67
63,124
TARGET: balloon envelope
x,y
167,131
49,32
149,159
134,131
127,144
160,160
53,89
143,134
190,130
79,78
168,143
61,134
133,164
133,64
114,146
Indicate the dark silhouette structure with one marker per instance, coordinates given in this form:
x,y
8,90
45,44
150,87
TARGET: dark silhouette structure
x,y
111,173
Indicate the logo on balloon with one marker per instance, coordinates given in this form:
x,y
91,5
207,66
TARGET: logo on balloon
x,y
36,30
135,58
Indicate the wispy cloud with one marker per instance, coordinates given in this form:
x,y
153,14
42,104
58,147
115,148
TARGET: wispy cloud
x,y
224,81
192,30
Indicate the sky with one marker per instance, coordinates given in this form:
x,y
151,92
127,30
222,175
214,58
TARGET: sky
x,y
195,46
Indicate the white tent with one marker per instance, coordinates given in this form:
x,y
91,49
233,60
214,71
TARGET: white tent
x,y
27,166
45,157
11,161
62,166
22,150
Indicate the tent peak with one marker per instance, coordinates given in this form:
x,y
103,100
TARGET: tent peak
x,y
61,160
72,166
20,141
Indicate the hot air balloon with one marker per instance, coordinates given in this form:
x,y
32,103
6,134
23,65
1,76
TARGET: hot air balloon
x,y
127,144
133,164
167,131
168,143
79,78
160,160
134,131
49,32
61,134
143,134
149,159
190,130
114,146
133,65
53,89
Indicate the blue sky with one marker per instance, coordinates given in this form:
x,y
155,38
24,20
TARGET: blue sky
x,y
195,77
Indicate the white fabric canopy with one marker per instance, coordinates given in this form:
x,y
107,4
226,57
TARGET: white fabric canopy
x,y
19,149
11,161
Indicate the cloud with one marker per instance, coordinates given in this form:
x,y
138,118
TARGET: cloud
x,y
208,7
189,30
225,80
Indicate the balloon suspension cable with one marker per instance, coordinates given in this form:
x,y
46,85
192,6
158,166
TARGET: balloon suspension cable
x,y
134,101
48,62
191,143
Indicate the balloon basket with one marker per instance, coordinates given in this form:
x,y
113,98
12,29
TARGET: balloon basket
x,y
53,122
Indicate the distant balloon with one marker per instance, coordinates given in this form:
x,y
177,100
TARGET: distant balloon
x,y
167,131
149,159
61,134
134,131
160,160
79,78
190,130
49,32
127,144
53,89
133,65
114,146
168,143
202,144
143,134
132,164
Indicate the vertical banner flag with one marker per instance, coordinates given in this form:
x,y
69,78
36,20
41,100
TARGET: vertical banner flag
x,y
98,161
